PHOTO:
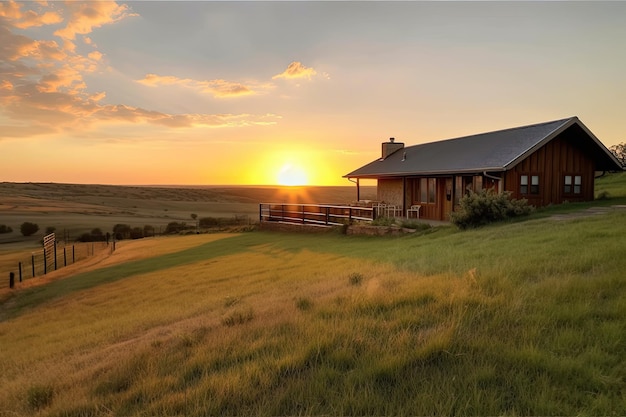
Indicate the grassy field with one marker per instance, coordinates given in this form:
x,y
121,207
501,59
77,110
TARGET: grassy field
x,y
520,318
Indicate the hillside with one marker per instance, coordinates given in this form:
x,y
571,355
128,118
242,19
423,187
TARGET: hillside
x,y
523,318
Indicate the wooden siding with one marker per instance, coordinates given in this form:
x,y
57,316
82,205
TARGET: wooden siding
x,y
559,157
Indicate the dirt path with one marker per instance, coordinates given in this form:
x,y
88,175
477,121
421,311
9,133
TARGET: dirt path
x,y
590,212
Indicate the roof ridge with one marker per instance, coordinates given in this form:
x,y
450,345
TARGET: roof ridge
x,y
496,131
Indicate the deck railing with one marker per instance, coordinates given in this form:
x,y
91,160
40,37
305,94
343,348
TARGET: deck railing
x,y
314,214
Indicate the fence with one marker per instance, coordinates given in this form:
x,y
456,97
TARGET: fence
x,y
41,262
314,214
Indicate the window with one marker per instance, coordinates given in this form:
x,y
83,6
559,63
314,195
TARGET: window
x,y
432,184
423,190
427,190
534,184
572,184
529,184
523,184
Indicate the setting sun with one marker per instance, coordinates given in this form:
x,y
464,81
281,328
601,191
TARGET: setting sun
x,y
292,175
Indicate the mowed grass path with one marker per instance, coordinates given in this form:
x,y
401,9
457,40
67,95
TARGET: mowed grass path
x,y
524,318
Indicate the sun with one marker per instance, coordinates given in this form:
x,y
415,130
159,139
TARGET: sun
x,y
292,175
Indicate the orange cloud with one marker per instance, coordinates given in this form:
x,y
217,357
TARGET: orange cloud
x,y
95,55
30,18
296,70
85,16
218,88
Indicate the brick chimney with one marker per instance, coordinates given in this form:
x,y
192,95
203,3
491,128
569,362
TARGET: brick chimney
x,y
390,147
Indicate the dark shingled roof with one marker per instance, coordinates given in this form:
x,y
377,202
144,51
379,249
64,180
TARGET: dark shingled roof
x,y
493,151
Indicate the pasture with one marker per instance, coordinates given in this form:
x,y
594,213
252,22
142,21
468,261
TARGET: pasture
x,y
520,318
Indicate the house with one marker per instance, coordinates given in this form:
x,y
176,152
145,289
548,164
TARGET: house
x,y
545,163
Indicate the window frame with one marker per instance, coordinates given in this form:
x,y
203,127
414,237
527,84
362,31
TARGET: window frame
x,y
575,186
529,183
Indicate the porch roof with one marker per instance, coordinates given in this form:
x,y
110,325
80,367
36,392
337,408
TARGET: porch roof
x,y
493,151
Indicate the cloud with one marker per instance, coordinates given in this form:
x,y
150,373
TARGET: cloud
x,y
30,18
296,70
139,115
85,16
42,84
217,88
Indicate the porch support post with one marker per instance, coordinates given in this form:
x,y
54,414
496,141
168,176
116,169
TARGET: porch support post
x,y
358,190
403,196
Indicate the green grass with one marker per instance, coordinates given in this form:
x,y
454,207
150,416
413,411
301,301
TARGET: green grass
x,y
519,318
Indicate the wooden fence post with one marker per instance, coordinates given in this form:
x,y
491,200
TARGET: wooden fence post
x,y
64,256
55,256
45,262
32,262
19,267
73,255
11,279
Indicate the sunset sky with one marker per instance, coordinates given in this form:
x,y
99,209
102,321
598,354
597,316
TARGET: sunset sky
x,y
276,92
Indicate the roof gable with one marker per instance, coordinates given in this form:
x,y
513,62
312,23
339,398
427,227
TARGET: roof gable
x,y
492,151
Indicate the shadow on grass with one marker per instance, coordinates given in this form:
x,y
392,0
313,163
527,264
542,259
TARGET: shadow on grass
x,y
32,297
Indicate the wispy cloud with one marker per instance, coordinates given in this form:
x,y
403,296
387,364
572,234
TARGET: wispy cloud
x,y
217,88
296,70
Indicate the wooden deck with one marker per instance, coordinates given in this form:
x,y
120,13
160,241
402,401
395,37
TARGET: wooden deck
x,y
314,214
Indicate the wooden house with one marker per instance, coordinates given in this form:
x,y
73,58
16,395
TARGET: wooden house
x,y
545,163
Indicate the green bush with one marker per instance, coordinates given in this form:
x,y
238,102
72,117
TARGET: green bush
x,y
5,229
384,221
478,209
28,228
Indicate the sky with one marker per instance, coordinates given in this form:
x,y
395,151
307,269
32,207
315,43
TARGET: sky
x,y
291,92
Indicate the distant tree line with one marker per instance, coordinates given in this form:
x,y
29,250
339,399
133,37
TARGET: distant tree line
x,y
124,231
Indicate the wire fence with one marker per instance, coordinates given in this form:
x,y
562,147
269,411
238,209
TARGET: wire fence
x,y
42,261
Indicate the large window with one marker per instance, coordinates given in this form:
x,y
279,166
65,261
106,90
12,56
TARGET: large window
x,y
432,185
529,184
427,190
424,190
572,184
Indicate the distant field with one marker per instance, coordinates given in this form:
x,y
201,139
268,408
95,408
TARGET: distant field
x,y
79,208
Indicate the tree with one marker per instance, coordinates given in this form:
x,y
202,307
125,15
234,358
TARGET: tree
x,y
121,231
28,228
5,229
136,233
175,227
148,230
619,151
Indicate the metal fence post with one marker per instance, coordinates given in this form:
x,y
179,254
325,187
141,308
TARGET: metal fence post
x,y
55,256
19,267
64,256
45,263
32,262
11,279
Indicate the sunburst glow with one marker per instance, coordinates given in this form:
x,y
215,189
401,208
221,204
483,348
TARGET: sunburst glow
x,y
292,175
